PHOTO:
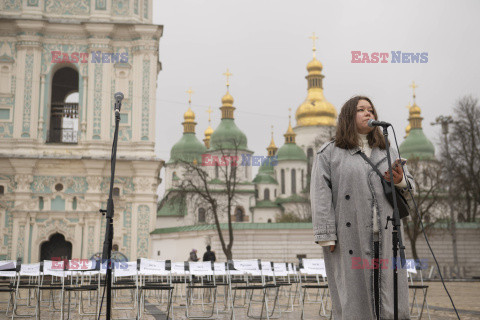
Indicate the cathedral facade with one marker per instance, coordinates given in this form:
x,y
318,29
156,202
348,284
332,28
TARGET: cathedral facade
x,y
60,63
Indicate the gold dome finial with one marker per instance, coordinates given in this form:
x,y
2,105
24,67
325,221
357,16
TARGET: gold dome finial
x,y
272,148
209,130
314,39
190,92
290,134
227,100
228,75
413,86
189,116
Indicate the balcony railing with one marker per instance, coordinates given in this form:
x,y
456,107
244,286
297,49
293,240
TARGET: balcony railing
x,y
63,123
64,135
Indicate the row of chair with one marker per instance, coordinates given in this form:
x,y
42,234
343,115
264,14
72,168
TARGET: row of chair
x,y
149,286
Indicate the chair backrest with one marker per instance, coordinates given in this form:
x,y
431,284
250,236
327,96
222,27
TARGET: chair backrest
x,y
251,267
220,268
54,268
314,267
291,269
7,268
30,270
81,266
201,268
149,267
280,269
178,268
125,269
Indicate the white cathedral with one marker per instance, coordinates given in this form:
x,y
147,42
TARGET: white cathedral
x,y
278,189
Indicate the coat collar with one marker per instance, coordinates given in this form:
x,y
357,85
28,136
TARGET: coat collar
x,y
376,157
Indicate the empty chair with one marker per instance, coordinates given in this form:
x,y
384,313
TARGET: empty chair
x,y
156,277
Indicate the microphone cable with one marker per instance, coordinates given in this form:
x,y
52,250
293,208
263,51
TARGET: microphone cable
x,y
421,223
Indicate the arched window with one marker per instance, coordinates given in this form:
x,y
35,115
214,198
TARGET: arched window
x,y
294,184
239,214
116,192
40,203
266,194
269,220
201,215
74,203
216,171
303,177
2,190
64,106
282,180
275,193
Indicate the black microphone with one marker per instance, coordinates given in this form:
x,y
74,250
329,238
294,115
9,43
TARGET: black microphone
x,y
118,101
375,123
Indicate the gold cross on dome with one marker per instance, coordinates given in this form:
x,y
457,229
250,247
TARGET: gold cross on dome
x,y
413,86
209,111
190,92
314,39
289,114
228,75
272,131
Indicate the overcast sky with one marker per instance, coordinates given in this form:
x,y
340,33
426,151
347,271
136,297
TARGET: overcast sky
x,y
265,45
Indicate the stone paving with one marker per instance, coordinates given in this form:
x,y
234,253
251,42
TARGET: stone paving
x,y
466,296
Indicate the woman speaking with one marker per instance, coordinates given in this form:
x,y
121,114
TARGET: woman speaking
x,y
349,213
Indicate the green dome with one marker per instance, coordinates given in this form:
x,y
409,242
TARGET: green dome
x,y
265,172
268,165
187,149
264,178
417,145
227,136
290,151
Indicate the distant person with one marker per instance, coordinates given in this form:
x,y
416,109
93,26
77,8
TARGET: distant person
x,y
209,255
193,255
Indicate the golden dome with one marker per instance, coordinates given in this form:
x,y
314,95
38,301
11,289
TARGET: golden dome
x,y
314,65
227,99
208,131
415,110
189,116
315,110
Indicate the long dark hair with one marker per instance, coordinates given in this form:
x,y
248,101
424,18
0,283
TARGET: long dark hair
x,y
347,135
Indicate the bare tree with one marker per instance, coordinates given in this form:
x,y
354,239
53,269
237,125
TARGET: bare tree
x,y
429,198
297,212
213,183
461,155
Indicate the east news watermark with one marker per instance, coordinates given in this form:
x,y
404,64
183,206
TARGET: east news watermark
x,y
410,264
83,57
244,160
389,57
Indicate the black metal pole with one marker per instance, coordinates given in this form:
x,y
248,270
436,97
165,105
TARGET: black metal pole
x,y
397,242
107,244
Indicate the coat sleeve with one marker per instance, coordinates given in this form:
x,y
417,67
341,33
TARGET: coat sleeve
x,y
410,183
323,213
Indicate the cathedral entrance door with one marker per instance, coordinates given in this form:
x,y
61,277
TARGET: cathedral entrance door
x,y
56,248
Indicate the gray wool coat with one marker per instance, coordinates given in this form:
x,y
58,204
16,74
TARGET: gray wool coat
x,y
344,188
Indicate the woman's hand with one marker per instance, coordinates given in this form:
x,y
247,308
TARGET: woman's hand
x,y
332,248
397,173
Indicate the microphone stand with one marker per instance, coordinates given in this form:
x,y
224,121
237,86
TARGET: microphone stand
x,y
107,244
396,232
